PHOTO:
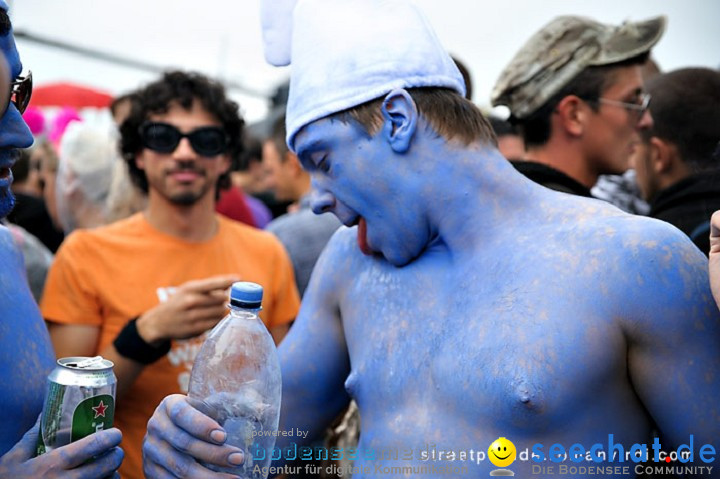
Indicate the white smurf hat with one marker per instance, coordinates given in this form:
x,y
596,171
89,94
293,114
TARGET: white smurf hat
x,y
347,52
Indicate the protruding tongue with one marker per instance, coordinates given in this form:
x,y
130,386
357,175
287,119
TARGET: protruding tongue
x,y
362,237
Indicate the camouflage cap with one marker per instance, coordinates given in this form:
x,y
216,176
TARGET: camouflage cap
x,y
561,50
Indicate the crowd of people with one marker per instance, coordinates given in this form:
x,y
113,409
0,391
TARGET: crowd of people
x,y
432,274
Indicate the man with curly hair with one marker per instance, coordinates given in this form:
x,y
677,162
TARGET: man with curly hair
x,y
143,291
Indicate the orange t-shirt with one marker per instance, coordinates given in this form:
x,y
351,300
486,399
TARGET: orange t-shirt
x,y
107,276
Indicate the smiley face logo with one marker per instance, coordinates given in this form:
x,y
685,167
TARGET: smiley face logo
x,y
501,452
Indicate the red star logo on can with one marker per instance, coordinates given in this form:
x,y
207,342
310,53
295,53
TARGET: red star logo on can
x,y
99,410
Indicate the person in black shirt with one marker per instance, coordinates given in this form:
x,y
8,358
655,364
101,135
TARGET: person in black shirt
x,y
30,211
676,169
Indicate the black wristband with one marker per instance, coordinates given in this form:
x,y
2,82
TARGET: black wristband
x,y
129,344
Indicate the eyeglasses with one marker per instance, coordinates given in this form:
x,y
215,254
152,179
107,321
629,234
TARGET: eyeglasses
x,y
164,138
21,91
639,108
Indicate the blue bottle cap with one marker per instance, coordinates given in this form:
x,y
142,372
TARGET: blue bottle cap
x,y
245,294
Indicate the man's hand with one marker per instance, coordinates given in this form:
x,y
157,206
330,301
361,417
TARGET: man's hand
x,y
92,457
178,435
714,266
195,307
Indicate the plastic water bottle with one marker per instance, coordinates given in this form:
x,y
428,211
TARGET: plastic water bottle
x,y
236,380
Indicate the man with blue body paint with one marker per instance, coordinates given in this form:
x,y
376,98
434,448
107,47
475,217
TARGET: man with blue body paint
x,y
463,302
26,355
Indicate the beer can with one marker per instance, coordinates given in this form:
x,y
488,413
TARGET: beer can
x,y
79,400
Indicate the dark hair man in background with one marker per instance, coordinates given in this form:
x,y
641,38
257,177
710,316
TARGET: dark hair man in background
x,y
303,233
676,170
510,141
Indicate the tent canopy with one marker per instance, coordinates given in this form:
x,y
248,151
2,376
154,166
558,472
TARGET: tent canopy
x,y
69,94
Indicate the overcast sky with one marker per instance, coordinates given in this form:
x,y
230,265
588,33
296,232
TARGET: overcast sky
x,y
222,38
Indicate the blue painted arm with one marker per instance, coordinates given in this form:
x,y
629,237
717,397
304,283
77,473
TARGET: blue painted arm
x,y
314,357
673,352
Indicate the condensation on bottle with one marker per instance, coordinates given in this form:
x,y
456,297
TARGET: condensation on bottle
x,y
236,380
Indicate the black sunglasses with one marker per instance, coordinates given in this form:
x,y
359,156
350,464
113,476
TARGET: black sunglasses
x,y
21,91
164,138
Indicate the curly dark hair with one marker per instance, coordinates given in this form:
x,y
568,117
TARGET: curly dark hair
x,y
181,88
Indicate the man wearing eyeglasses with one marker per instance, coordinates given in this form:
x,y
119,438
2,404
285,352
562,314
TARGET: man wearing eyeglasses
x,y
26,354
575,90
143,291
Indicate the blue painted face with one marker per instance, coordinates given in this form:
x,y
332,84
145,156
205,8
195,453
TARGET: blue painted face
x,y
14,133
364,182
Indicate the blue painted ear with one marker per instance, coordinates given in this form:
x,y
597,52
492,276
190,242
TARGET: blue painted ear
x,y
401,118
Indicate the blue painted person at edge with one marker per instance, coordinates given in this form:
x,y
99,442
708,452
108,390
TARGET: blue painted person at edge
x,y
462,302
26,355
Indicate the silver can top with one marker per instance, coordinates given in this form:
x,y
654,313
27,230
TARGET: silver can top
x,y
85,363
